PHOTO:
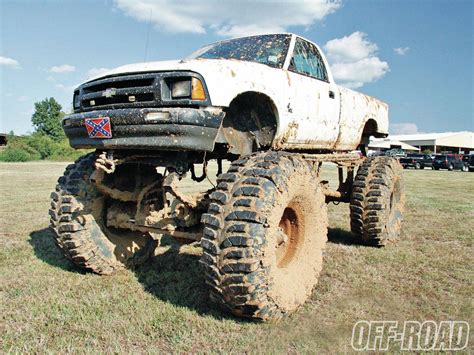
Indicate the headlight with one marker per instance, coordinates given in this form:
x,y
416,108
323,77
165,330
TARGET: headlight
x,y
181,89
77,100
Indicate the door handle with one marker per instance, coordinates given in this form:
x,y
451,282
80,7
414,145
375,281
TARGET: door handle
x,y
331,94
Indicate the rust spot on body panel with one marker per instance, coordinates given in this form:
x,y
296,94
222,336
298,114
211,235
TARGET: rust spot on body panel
x,y
290,132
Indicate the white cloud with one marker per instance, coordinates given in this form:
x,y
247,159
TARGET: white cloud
x,y
96,72
350,48
354,60
245,30
401,50
64,68
404,128
9,62
356,74
224,17
23,98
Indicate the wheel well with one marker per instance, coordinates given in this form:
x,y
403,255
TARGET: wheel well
x,y
250,123
370,129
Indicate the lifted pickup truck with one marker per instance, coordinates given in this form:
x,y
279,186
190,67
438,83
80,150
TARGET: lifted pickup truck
x,y
270,106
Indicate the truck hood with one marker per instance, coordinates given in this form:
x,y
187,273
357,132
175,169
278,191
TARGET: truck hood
x,y
198,65
137,68
224,78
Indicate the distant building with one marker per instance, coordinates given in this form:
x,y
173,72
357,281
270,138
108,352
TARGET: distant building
x,y
3,140
454,142
381,145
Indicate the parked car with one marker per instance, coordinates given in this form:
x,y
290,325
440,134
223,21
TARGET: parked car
x,y
417,161
448,161
469,162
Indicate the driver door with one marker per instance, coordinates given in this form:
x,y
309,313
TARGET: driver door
x,y
315,102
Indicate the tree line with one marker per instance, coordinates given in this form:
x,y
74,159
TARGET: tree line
x,y
48,141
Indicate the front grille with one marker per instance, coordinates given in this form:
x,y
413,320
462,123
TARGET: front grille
x,y
119,84
119,99
134,91
126,91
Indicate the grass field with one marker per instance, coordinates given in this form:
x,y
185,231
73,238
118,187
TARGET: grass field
x,y
46,304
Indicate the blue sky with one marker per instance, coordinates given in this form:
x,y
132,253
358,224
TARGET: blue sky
x,y
415,55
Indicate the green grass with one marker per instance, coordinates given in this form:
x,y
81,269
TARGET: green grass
x,y
46,304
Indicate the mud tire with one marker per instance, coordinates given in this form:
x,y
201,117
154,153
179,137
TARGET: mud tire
x,y
377,201
77,219
249,270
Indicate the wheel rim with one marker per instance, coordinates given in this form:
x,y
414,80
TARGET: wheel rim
x,y
290,235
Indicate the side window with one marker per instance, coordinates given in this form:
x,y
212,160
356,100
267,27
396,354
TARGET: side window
x,y
307,60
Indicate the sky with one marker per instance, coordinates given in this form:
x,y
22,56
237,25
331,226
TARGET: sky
x,y
416,55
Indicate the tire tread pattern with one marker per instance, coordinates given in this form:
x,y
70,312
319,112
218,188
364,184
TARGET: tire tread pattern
x,y
68,225
370,200
234,229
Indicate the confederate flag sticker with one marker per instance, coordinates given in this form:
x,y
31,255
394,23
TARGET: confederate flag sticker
x,y
98,127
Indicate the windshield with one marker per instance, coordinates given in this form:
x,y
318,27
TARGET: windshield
x,y
440,157
265,49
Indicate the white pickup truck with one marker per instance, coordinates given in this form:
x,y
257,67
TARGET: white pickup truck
x,y
282,81
270,106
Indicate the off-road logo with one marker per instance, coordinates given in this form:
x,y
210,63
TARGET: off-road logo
x,y
410,335
110,92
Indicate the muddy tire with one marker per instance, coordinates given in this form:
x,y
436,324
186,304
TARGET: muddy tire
x,y
377,201
264,236
77,219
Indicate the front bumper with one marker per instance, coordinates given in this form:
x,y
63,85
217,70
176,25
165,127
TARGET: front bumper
x,y
183,129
